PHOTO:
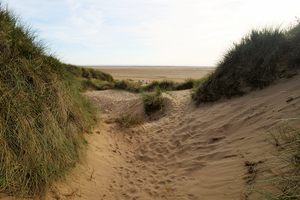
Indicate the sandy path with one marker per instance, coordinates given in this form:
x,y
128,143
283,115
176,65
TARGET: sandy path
x,y
190,153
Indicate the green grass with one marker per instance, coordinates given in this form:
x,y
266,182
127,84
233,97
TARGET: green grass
x,y
42,113
95,84
167,85
164,85
128,85
91,79
88,73
96,74
187,84
153,101
257,61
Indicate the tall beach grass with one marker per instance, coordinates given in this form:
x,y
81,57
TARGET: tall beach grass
x,y
42,113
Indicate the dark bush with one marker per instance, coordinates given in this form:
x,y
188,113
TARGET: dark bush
x,y
95,74
188,84
164,85
257,61
127,85
153,101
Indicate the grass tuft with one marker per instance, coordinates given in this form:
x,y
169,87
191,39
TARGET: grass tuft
x,y
153,101
286,186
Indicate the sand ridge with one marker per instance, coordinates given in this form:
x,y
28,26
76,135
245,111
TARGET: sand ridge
x,y
189,153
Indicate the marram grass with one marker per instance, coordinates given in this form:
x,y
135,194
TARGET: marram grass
x,y
42,113
261,57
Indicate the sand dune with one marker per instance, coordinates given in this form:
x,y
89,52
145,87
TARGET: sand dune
x,y
189,153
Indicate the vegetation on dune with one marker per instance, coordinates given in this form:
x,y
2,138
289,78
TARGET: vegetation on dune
x,y
151,93
286,186
164,85
258,60
91,78
167,85
187,84
127,85
95,74
89,73
42,114
95,84
135,86
153,101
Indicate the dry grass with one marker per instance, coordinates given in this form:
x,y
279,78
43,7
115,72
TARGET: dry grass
x,y
285,186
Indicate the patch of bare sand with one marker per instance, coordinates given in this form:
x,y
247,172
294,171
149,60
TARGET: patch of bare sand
x,y
190,153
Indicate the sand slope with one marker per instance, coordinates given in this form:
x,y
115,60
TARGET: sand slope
x,y
190,153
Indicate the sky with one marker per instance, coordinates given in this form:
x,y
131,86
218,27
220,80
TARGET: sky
x,y
148,32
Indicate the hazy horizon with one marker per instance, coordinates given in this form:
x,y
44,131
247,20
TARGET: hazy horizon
x,y
132,66
149,33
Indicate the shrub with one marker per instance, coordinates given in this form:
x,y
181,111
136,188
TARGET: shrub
x,y
95,84
96,74
42,113
153,101
88,73
128,85
188,84
164,85
257,61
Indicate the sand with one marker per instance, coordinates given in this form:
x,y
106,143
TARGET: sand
x,y
148,74
188,154
217,151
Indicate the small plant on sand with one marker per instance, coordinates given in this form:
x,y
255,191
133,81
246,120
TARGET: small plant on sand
x,y
286,186
153,101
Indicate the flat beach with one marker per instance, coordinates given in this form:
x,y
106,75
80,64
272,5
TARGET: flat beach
x,y
151,73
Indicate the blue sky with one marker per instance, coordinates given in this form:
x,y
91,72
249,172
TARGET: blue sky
x,y
148,32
